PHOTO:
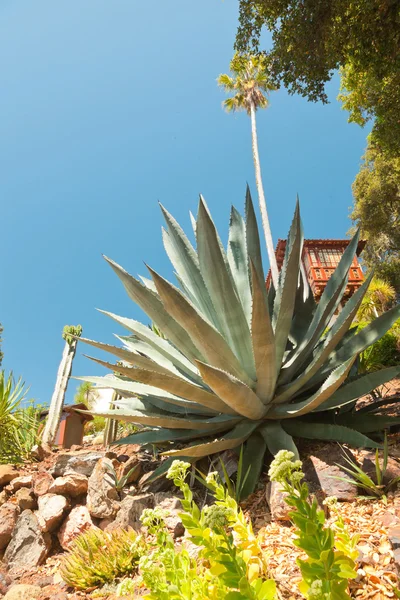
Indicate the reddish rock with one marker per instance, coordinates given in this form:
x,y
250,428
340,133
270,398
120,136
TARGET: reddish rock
x,y
73,484
8,517
25,499
131,463
4,496
276,501
102,499
29,547
42,483
77,522
51,511
322,469
25,481
23,592
7,474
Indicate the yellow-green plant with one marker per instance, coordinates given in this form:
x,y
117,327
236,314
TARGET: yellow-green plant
x,y
97,557
239,364
331,551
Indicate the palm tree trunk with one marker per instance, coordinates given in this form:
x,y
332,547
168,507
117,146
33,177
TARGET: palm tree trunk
x,y
57,400
261,199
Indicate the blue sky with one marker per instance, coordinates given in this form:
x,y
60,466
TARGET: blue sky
x,y
107,108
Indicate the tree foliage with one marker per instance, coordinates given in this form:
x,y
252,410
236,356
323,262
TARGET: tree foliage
x,y
311,39
376,211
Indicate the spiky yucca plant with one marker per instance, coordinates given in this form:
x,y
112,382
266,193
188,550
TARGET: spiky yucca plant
x,y
239,364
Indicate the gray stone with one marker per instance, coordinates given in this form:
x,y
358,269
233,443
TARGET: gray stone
x,y
276,501
73,485
82,462
8,517
51,511
29,547
322,469
23,592
102,498
130,512
172,507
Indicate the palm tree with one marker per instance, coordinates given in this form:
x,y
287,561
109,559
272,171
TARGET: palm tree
x,y
250,84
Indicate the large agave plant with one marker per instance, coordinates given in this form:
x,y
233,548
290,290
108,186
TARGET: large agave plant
x,y
237,364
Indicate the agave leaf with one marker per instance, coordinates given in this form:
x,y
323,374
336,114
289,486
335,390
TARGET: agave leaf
x,y
160,436
209,341
277,438
234,438
333,382
185,261
170,383
232,391
304,309
152,306
253,458
263,340
358,387
336,333
286,293
327,305
367,423
327,431
216,273
253,237
148,283
157,343
238,260
154,419
131,357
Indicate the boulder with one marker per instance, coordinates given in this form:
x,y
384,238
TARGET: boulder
x,y
77,522
29,547
131,463
102,498
25,481
25,499
5,583
41,451
82,462
8,517
51,511
23,592
172,507
276,501
130,512
7,474
42,483
73,484
321,470
4,496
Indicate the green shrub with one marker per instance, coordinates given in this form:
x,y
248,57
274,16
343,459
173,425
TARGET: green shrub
x,y
97,558
384,353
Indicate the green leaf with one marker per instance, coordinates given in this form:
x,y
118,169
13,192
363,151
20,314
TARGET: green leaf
x,y
277,438
327,431
231,440
367,423
253,237
207,339
253,457
153,419
286,293
216,273
263,340
232,391
238,260
164,467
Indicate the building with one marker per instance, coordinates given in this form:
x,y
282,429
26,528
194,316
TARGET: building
x,y
320,259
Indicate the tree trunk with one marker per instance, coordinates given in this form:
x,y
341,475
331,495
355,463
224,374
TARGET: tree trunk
x,y
57,400
261,199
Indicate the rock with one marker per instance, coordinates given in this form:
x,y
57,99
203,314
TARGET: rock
x,y
23,592
5,582
131,463
29,547
75,447
276,501
7,474
162,484
8,517
25,499
394,538
82,462
42,483
230,459
104,523
51,511
321,470
368,466
122,458
77,522
4,496
102,499
25,481
172,507
130,512
73,484
41,451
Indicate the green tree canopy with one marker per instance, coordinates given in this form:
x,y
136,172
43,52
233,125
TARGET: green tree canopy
x,y
312,39
376,210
